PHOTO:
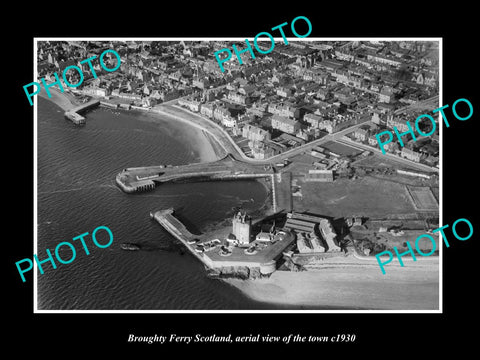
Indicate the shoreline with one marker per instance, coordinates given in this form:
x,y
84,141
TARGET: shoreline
x,y
206,147
188,119
349,285
63,100
198,139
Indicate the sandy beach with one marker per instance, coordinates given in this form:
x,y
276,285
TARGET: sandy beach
x,y
347,284
64,100
207,148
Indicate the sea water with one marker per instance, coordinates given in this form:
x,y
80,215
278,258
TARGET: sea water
x,y
77,193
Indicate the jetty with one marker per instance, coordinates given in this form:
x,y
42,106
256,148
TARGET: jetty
x,y
74,114
145,178
177,229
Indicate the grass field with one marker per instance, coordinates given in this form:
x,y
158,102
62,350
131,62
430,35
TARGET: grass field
x,y
377,161
422,198
365,196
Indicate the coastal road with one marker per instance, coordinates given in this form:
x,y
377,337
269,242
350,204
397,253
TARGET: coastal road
x,y
307,147
229,145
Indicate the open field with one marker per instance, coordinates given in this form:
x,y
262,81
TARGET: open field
x,y
341,149
422,198
366,196
377,161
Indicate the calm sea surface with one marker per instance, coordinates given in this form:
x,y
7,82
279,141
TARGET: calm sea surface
x,y
77,193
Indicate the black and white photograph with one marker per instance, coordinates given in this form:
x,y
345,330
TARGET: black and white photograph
x,y
257,182
215,179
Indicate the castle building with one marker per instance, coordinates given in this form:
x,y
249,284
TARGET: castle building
x,y
241,227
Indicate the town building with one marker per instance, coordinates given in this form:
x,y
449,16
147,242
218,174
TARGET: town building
x,y
312,224
329,235
207,109
284,109
319,176
285,124
191,104
394,121
255,133
411,154
284,91
304,246
313,119
309,244
262,150
360,134
238,98
386,94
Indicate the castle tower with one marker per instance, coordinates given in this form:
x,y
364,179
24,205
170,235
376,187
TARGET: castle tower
x,y
241,227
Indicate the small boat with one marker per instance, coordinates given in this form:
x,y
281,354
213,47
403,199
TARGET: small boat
x,y
129,246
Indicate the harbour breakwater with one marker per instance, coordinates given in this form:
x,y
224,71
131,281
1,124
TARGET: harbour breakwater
x,y
139,179
145,178
237,264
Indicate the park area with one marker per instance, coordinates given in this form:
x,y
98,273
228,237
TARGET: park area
x,y
422,198
366,196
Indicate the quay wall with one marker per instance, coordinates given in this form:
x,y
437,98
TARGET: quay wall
x,y
109,104
86,106
265,268
142,185
126,188
218,175
74,116
160,217
146,182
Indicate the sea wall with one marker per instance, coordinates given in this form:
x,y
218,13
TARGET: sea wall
x,y
237,272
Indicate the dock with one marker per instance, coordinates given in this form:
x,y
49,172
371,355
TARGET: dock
x,y
74,114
